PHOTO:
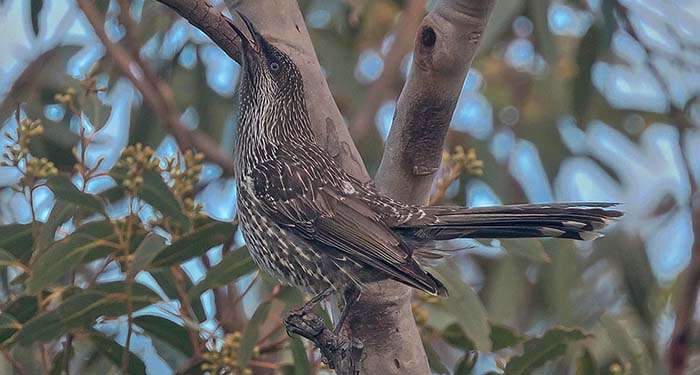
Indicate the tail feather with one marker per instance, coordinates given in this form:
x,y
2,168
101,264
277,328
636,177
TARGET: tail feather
x,y
579,221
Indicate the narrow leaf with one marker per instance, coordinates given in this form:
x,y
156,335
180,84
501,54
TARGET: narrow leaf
x,y
64,190
9,260
35,7
166,281
157,193
504,337
60,213
434,360
166,330
466,364
540,350
455,336
586,365
115,352
17,240
467,308
144,254
194,244
528,248
82,309
301,360
251,333
231,267
20,310
627,346
65,255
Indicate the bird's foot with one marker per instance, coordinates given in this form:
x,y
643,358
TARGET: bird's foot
x,y
338,350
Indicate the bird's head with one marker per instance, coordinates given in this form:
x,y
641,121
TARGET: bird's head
x,y
269,75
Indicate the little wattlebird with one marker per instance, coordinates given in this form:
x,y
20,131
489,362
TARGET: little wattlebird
x,y
310,224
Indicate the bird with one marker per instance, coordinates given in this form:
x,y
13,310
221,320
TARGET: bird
x,y
310,224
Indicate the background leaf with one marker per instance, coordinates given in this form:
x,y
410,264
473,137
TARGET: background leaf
x,y
194,244
538,351
467,308
251,333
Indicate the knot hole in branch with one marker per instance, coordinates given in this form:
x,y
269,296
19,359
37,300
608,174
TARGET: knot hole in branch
x,y
427,38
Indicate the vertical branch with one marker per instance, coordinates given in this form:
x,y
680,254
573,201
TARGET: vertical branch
x,y
446,43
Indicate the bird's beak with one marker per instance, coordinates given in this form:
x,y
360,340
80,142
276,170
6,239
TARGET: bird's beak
x,y
250,38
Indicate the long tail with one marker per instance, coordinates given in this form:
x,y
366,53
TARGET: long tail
x,y
579,221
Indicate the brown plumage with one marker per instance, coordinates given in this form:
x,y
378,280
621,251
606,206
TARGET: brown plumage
x,y
310,224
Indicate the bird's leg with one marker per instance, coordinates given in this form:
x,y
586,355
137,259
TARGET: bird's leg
x,y
350,296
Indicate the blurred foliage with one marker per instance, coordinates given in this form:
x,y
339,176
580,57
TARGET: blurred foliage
x,y
135,263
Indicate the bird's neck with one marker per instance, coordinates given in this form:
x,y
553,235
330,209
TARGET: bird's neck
x,y
265,127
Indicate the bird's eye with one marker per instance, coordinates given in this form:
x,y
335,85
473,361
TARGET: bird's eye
x,y
274,66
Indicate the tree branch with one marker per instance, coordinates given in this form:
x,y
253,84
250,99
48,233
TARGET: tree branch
x,y
445,45
447,41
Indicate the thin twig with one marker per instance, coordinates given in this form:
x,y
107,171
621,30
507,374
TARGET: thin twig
x,y
157,94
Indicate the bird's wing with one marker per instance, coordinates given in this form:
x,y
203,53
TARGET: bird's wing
x,y
345,227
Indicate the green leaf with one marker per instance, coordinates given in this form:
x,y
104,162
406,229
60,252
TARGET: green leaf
x,y
64,190
231,267
7,321
156,192
65,255
144,254
59,363
35,7
82,309
9,260
466,307
504,337
528,248
301,360
60,213
251,333
627,346
17,239
434,360
466,364
539,350
115,352
167,331
586,365
165,280
194,244
20,310
455,336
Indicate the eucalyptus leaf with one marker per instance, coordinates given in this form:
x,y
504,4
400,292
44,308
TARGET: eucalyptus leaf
x,y
63,256
251,333
231,267
467,308
17,239
540,350
115,352
301,360
64,190
194,244
148,249
627,345
166,330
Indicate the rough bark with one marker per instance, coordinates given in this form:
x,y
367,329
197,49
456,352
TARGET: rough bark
x,y
445,46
